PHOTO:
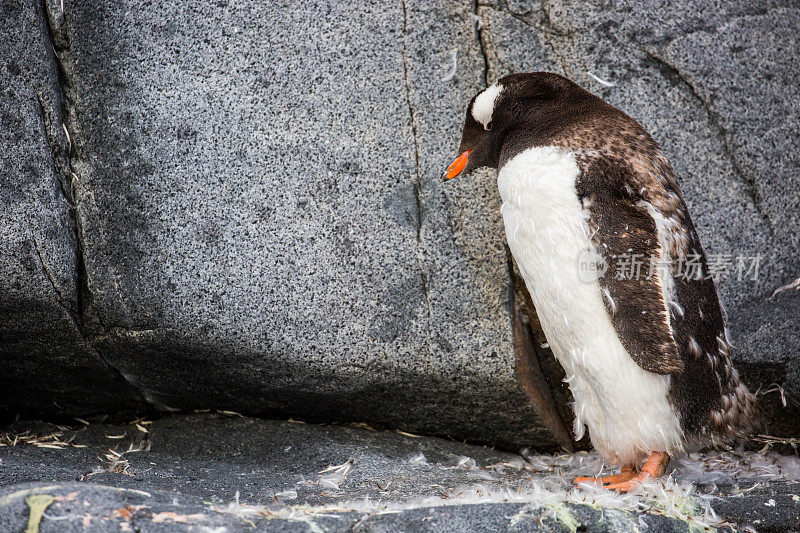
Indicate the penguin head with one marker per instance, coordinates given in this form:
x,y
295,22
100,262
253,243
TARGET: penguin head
x,y
517,111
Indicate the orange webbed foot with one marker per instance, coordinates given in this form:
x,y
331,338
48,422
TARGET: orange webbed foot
x,y
654,467
625,474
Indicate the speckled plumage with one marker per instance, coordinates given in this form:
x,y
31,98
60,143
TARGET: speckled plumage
x,y
669,324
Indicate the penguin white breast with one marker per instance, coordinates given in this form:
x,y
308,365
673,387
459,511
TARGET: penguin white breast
x,y
626,408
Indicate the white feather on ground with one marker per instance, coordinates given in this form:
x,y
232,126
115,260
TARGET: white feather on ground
x,y
545,483
335,475
419,459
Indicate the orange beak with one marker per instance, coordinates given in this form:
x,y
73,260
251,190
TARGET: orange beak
x,y
456,166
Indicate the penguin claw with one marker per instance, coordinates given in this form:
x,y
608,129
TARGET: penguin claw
x,y
624,475
630,484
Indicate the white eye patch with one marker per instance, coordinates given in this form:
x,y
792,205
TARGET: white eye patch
x,y
483,107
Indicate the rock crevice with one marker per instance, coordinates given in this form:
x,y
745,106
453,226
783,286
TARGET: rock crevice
x,y
748,180
417,184
78,309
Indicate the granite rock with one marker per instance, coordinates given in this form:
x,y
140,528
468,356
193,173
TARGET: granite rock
x,y
46,366
259,199
256,196
259,225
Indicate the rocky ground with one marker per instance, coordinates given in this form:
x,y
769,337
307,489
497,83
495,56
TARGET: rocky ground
x,y
222,472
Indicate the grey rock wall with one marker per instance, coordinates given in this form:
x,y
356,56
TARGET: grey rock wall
x,y
247,213
45,363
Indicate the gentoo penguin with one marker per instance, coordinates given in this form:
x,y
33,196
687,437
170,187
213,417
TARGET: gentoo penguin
x,y
646,356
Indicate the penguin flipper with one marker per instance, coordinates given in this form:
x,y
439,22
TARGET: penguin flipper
x,y
624,232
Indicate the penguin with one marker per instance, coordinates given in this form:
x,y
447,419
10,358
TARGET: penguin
x,y
645,352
